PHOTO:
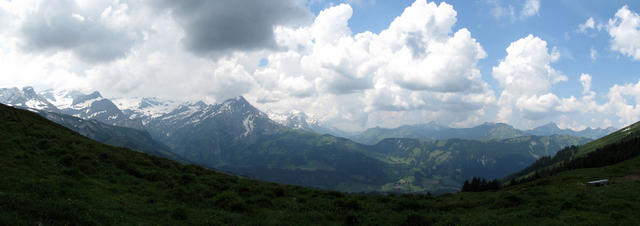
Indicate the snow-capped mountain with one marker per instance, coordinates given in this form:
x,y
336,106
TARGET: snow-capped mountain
x,y
300,120
25,98
294,120
60,98
237,116
205,132
94,106
144,109
85,106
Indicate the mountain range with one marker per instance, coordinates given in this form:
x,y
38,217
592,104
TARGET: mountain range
x,y
486,131
236,137
137,112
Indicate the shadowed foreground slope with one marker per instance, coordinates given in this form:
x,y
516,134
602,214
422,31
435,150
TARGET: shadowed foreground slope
x,y
53,176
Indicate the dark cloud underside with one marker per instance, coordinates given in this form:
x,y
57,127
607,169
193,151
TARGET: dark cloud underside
x,y
222,25
53,27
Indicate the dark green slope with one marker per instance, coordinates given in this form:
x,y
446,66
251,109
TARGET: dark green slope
x,y
53,176
566,155
442,165
135,139
305,158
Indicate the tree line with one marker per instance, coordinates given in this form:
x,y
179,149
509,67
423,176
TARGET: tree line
x,y
608,155
480,184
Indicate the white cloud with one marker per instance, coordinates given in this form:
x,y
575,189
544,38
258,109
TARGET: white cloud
x,y
527,76
593,53
531,8
585,80
624,30
527,67
536,107
331,24
624,102
416,65
161,63
499,11
589,24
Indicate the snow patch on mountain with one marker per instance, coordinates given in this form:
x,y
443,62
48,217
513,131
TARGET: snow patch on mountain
x,y
248,125
295,120
26,98
60,98
144,108
86,104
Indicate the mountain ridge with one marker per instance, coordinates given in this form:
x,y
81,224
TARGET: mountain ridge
x,y
143,110
485,131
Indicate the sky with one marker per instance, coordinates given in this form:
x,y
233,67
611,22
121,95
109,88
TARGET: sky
x,y
353,64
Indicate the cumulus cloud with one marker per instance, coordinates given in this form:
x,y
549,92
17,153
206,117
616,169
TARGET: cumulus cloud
x,y
624,102
60,25
417,64
223,25
536,107
624,30
527,67
527,76
152,66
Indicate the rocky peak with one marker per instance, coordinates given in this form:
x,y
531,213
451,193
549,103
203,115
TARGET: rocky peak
x,y
147,102
26,97
83,98
28,91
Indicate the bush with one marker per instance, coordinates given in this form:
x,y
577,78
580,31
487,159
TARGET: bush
x,y
229,200
416,219
179,213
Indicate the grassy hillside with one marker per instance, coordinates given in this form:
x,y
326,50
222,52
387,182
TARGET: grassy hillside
x,y
443,165
135,139
53,176
569,154
305,158
609,139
